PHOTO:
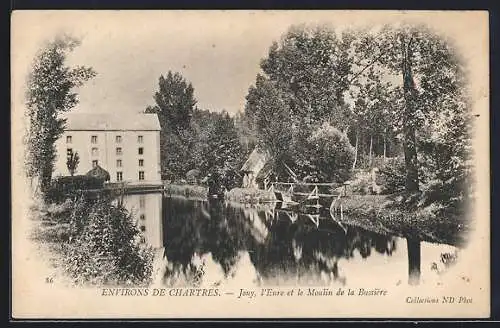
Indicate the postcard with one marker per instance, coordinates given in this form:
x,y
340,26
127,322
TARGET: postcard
x,y
250,164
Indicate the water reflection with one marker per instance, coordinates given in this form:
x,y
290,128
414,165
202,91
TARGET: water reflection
x,y
147,209
212,242
281,246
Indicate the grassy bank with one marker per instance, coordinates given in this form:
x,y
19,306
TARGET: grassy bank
x,y
186,190
392,215
240,195
247,195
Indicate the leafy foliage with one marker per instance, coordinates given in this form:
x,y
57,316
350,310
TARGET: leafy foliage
x,y
399,90
174,105
194,139
327,155
392,175
106,249
302,86
49,92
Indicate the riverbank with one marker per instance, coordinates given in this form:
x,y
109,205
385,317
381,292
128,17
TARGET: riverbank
x,y
186,190
396,214
248,195
385,214
390,214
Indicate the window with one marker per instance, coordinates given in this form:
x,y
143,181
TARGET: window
x,y
119,176
69,139
93,139
141,175
141,162
142,201
118,139
118,163
141,150
95,151
94,163
69,152
143,228
143,217
139,139
118,151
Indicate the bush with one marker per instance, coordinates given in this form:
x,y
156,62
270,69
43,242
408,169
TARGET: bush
x,y
327,155
65,187
105,246
392,176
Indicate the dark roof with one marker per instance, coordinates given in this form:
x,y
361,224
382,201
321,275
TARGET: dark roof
x,y
99,172
266,170
82,121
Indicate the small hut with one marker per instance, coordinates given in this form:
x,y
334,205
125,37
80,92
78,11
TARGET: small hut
x,y
99,172
254,166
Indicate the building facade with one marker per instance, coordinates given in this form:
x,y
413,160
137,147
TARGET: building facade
x,y
127,146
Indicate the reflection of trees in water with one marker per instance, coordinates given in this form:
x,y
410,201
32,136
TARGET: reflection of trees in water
x,y
305,252
182,239
225,235
282,250
364,241
195,228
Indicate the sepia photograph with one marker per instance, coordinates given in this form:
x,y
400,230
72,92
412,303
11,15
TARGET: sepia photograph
x,y
250,164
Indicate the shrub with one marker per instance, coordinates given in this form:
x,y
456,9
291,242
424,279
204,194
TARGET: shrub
x,y
105,246
327,155
392,176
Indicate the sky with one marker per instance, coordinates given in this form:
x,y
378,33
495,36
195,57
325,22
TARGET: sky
x,y
217,51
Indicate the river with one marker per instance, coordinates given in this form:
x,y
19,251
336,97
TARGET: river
x,y
209,243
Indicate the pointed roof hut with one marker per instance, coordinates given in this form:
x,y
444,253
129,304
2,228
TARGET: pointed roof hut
x,y
255,165
99,172
256,161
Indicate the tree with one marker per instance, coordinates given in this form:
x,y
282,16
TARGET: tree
x,y
328,153
302,85
310,67
217,147
372,115
427,80
174,100
269,111
49,92
174,105
72,163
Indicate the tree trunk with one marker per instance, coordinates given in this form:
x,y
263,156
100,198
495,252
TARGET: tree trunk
x,y
409,142
370,156
46,178
385,144
355,151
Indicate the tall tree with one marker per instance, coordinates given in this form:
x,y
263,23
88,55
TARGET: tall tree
x,y
426,77
174,100
217,146
50,90
268,109
310,67
302,85
174,105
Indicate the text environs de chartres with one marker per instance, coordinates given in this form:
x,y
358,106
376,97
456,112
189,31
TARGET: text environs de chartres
x,y
161,292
